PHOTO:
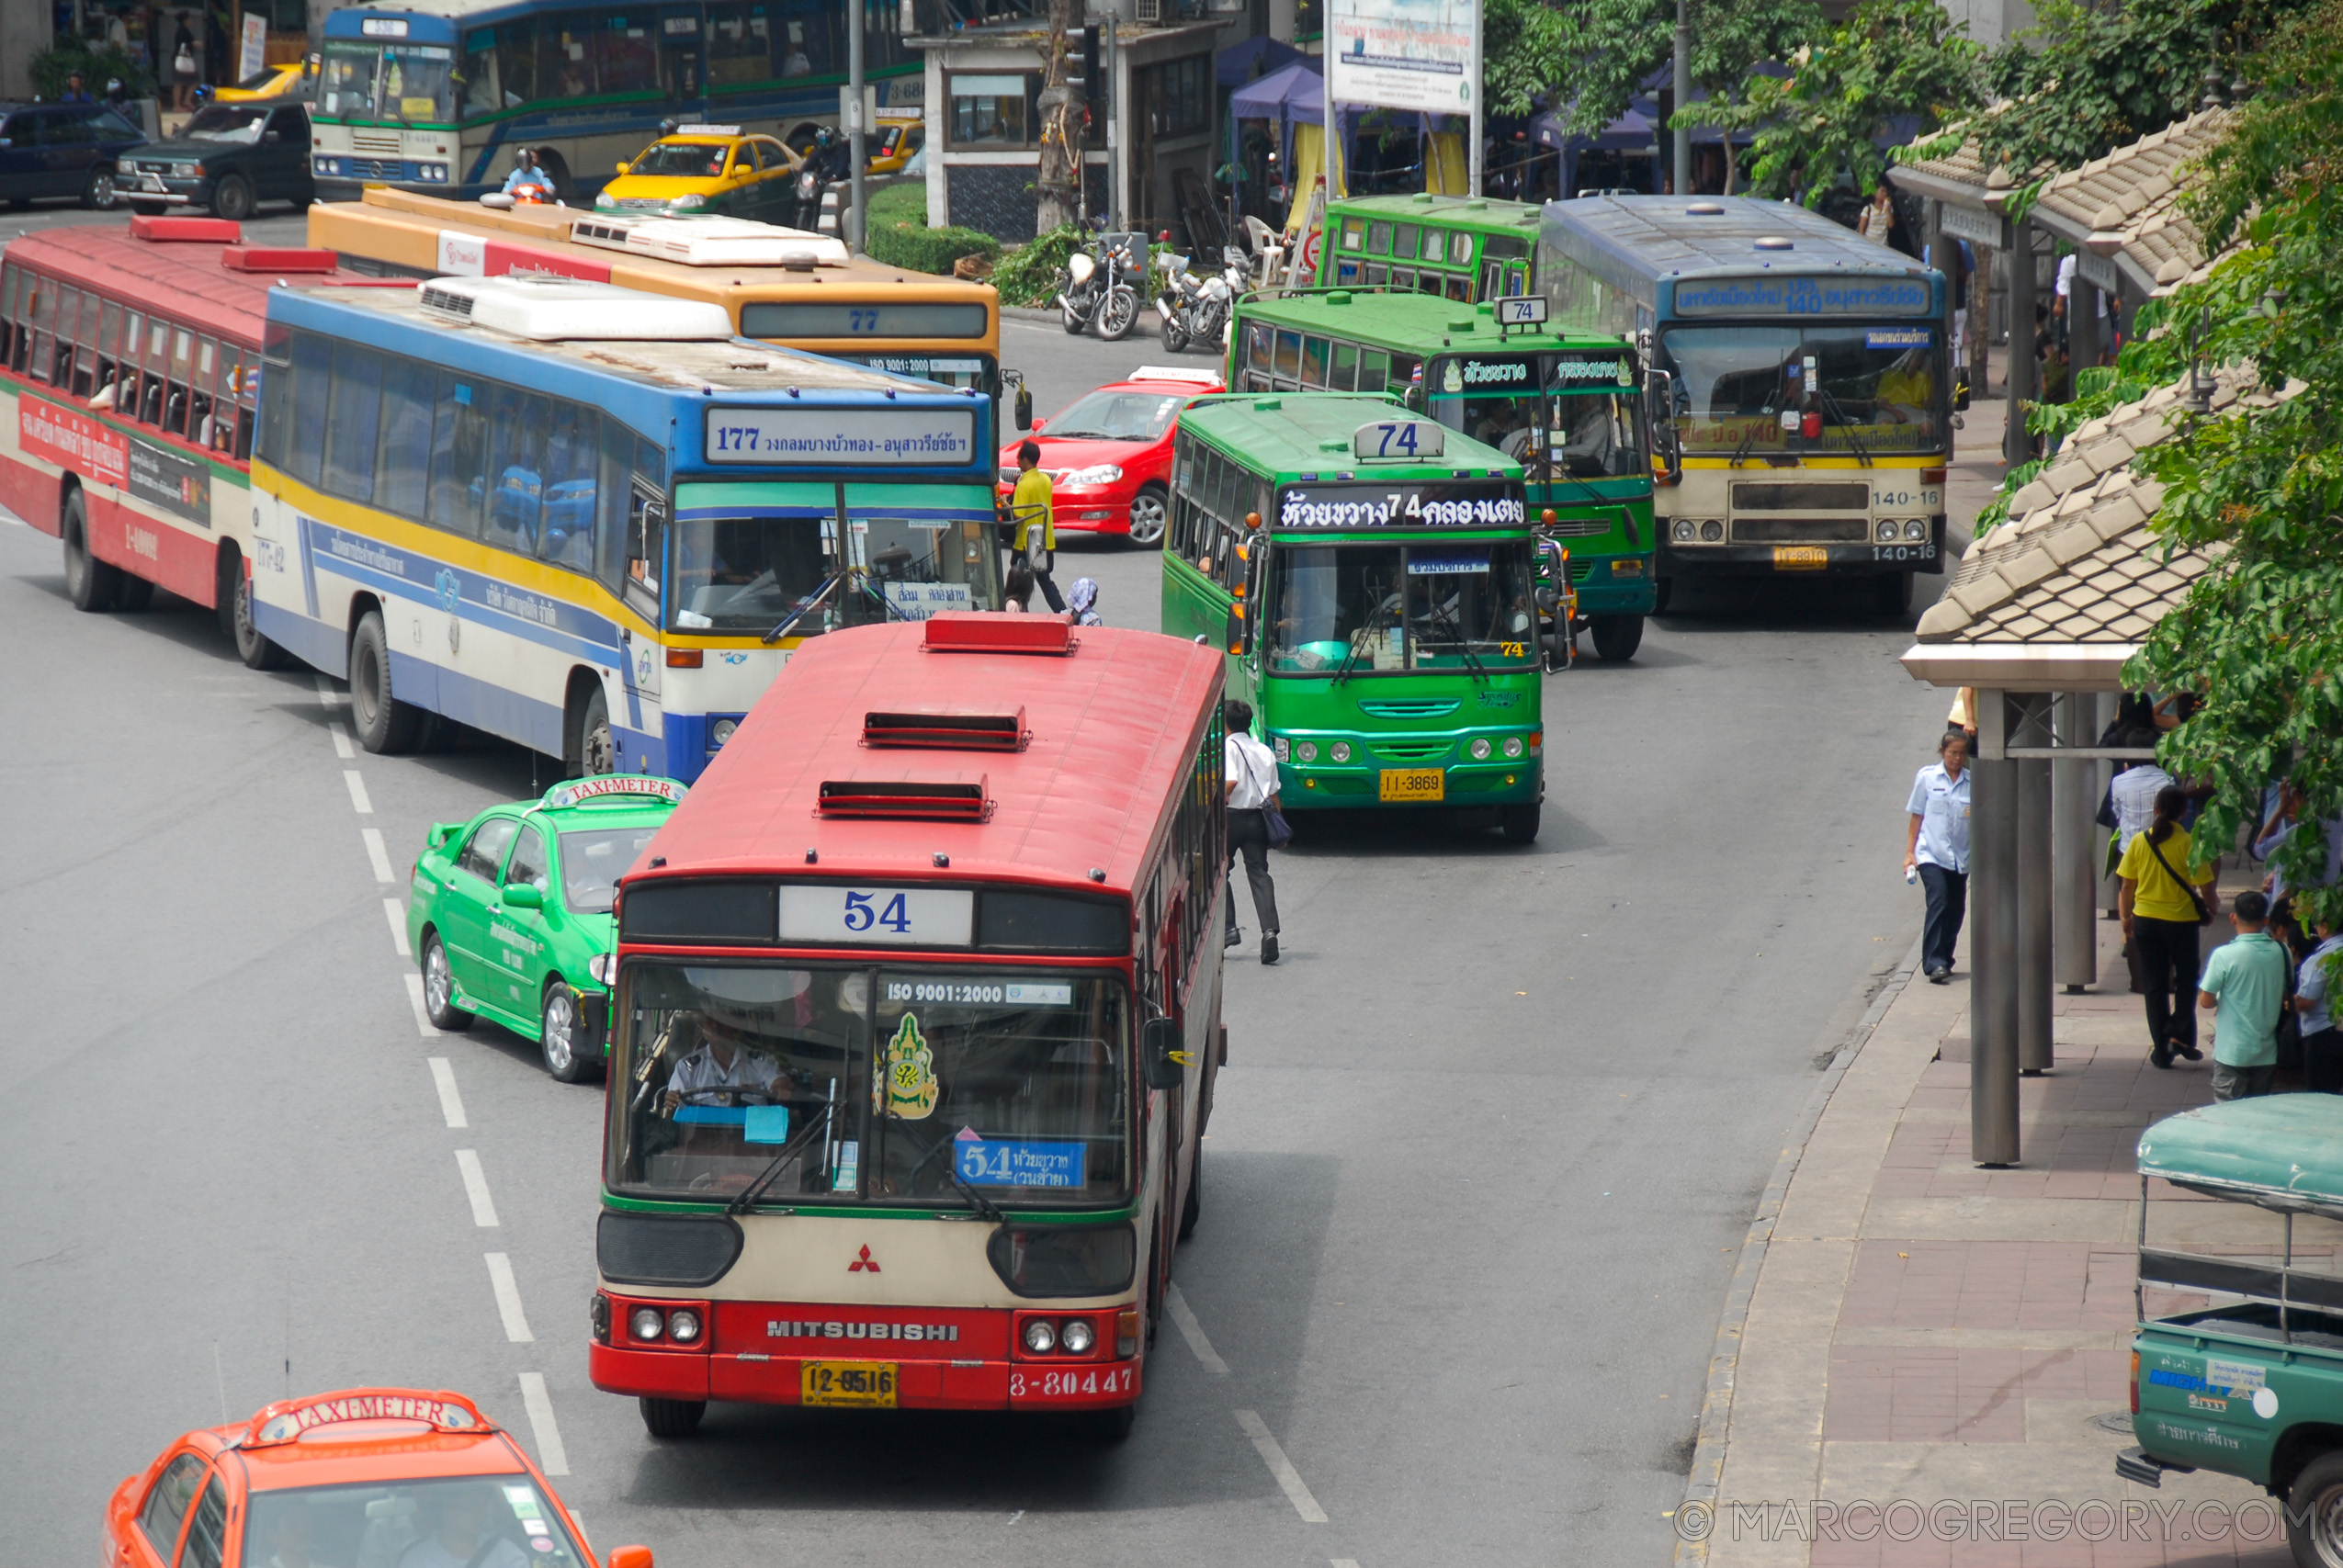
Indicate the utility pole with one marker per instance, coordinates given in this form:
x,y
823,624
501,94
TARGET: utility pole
x,y
856,131
1474,121
1113,98
1683,96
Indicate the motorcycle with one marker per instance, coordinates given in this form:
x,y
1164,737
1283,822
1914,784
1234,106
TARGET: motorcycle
x,y
1099,289
1196,310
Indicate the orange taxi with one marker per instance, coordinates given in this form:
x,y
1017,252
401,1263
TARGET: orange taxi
x,y
394,1476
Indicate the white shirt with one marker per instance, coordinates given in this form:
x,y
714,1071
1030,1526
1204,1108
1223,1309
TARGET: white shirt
x,y
2066,284
750,1069
1942,802
2132,793
1253,767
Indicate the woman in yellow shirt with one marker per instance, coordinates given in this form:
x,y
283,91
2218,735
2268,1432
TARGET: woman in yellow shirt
x,y
2161,917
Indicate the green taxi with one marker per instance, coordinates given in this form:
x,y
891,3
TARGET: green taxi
x,y
509,914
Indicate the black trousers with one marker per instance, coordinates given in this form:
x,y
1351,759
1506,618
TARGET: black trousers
x,y
1948,904
1039,563
2169,967
1249,835
2322,1062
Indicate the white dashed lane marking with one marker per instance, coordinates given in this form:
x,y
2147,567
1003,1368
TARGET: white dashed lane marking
x,y
1193,1332
341,746
551,1458
415,1000
359,802
377,854
396,913
328,695
476,1189
508,1303
451,1104
1288,1479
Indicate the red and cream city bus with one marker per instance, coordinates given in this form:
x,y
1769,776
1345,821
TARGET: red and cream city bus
x,y
129,378
917,1026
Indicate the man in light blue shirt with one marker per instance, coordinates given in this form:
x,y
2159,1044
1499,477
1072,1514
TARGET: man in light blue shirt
x,y
2322,1042
1937,849
2132,793
2245,978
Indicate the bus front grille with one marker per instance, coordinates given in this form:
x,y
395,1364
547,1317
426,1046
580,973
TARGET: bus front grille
x,y
1578,527
1408,707
1797,530
1425,752
1810,496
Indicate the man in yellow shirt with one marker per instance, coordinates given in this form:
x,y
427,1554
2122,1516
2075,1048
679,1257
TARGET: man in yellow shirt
x,y
1033,510
2161,917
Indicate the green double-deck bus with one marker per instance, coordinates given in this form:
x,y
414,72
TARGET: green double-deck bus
x,y
1465,249
1568,408
1371,575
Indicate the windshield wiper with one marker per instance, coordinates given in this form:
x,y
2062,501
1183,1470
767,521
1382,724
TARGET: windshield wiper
x,y
791,1150
985,1207
1838,411
804,607
1359,640
1463,644
1749,439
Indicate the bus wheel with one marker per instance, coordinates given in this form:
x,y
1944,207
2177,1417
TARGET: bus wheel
x,y
1149,510
2315,1511
672,1417
90,584
133,594
558,1034
385,725
1616,637
1194,1207
255,650
1892,594
1519,822
593,750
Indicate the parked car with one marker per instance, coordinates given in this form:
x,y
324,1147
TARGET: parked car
x,y
69,149
230,158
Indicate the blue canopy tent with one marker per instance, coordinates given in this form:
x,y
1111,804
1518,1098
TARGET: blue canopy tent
x,y
1241,62
1293,94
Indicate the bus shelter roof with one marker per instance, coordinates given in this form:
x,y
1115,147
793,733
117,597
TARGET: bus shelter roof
x,y
2278,1151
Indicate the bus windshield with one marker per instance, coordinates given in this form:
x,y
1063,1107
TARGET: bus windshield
x,y
743,574
1875,389
845,1084
1385,607
413,82
1563,416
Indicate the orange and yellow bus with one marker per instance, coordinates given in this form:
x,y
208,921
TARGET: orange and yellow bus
x,y
780,285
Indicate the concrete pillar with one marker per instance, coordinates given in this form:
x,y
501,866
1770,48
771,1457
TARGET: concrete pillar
x,y
2074,836
2017,446
2033,915
2111,887
2084,339
1993,957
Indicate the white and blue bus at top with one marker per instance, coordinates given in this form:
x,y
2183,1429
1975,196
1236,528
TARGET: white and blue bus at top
x,y
438,94
590,520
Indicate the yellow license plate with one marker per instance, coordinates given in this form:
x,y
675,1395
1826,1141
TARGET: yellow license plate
x,y
1414,784
1800,558
869,1384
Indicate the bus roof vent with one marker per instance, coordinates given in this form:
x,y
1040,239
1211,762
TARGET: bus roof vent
x,y
163,230
953,731
955,797
1705,209
546,309
710,242
974,632
277,258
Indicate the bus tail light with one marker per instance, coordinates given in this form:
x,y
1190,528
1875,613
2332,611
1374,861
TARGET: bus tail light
x,y
2136,1383
598,1315
684,657
1931,476
1127,1336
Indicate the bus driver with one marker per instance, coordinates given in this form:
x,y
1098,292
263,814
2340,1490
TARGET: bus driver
x,y
723,1062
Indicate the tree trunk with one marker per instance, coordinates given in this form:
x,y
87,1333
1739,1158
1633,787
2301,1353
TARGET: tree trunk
x,y
1060,179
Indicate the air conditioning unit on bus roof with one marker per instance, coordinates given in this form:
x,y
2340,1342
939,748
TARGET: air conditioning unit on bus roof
x,y
546,309
710,242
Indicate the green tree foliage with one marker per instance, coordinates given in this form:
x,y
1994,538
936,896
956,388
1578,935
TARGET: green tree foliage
x,y
1593,56
1817,126
2259,637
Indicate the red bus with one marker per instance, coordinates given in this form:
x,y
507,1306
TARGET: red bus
x,y
129,375
917,1026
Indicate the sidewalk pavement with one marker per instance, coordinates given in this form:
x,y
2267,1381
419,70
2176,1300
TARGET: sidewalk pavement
x,y
1921,1329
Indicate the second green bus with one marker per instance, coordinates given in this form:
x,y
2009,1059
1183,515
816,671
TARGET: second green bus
x,y
1373,578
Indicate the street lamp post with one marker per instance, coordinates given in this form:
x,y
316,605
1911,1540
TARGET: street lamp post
x,y
1683,96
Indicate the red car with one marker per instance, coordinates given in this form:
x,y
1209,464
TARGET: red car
x,y
1109,454
365,1475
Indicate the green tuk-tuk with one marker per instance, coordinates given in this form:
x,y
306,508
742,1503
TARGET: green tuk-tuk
x,y
2252,1385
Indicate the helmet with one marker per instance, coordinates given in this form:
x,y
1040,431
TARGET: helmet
x,y
824,137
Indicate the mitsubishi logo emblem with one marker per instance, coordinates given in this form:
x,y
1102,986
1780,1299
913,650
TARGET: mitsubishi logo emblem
x,y
865,1261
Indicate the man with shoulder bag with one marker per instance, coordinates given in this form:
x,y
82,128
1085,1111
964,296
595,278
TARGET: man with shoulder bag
x,y
1254,821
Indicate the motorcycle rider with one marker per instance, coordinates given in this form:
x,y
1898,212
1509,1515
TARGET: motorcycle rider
x,y
529,176
827,161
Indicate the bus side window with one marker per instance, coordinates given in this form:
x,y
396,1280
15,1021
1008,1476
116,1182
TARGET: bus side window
x,y
204,380
1378,241
109,345
275,391
248,407
305,419
8,275
1287,366
568,537
1435,244
1258,336
1373,365
1493,281
69,315
1353,233
403,472
353,422
517,441
1346,368
611,502
1429,282
458,449
1314,355
153,390
1460,287
1403,277
1403,242
179,402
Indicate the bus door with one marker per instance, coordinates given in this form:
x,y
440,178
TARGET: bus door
x,y
679,49
1251,573
914,551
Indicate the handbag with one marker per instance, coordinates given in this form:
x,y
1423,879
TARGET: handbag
x,y
1280,832
2205,915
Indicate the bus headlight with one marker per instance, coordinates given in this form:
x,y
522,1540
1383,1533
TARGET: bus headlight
x,y
1512,746
1712,530
646,1324
721,730
1684,530
683,1326
1916,529
1079,1336
1040,1339
1886,531
1307,750
1339,751
1480,748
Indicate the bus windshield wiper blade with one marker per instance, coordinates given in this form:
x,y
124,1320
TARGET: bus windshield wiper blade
x,y
1749,439
985,1207
794,616
791,1150
1463,644
1838,412
1359,640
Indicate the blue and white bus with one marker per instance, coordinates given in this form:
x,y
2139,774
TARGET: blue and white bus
x,y
438,94
587,519
1801,377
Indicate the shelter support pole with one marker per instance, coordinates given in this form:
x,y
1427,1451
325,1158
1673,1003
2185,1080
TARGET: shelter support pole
x,y
2111,887
1685,97
2035,877
2074,806
2017,443
2083,326
1993,945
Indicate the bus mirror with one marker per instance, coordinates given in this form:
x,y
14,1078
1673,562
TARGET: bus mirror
x,y
1025,408
1659,410
1236,639
1161,1051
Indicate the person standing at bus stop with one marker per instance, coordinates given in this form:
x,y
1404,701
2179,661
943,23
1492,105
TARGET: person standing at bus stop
x,y
2161,914
1936,847
1252,770
1033,513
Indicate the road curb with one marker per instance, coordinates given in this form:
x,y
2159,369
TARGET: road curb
x,y
1724,1359
1146,326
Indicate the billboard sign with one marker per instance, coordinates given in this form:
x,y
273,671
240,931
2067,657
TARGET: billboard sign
x,y
1404,54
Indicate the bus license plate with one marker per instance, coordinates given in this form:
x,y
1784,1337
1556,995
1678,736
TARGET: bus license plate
x,y
1800,558
867,1384
1414,784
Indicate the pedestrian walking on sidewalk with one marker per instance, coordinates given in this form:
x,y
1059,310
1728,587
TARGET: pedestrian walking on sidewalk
x,y
1033,515
1937,847
2322,1042
1252,768
2161,916
2246,979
